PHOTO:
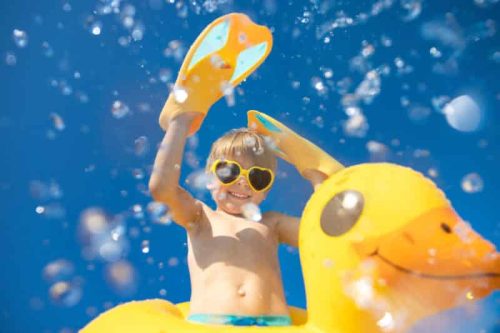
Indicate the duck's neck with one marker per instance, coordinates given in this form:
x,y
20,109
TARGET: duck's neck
x,y
329,308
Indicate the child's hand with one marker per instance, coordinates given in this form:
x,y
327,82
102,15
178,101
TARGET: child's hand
x,y
316,177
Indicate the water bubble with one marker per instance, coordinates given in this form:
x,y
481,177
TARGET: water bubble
x,y
318,85
145,246
20,38
369,87
122,277
439,102
328,73
45,191
47,50
57,121
463,114
66,294
447,33
251,212
157,212
110,250
418,113
173,261
200,179
435,52
58,270
52,211
138,173
180,94
119,109
96,28
175,49
356,126
228,92
472,183
141,146
481,30
413,7
10,59
485,3
495,57
378,151
386,323
138,32
165,75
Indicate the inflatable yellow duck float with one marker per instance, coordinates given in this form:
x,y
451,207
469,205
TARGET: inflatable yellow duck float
x,y
380,245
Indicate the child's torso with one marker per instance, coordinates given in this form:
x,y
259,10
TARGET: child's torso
x,y
234,268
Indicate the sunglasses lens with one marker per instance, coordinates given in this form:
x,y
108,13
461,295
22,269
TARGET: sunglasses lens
x,y
227,172
260,179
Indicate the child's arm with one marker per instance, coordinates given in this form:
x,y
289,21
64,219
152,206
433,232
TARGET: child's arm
x,y
164,182
287,226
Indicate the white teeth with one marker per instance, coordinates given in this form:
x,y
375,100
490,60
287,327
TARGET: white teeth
x,y
240,196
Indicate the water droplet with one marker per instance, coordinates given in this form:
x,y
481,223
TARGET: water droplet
x,y
145,246
119,109
165,75
378,151
66,294
173,261
386,323
95,28
20,38
472,183
251,211
463,114
122,277
356,126
10,59
200,179
58,270
47,50
141,146
138,32
413,8
435,52
180,94
228,92
57,121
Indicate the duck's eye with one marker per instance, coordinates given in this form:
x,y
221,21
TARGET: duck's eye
x,y
342,212
446,228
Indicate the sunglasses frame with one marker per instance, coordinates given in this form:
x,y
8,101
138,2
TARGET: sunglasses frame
x,y
243,172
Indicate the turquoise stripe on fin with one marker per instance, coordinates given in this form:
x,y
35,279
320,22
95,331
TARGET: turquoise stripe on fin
x,y
247,58
267,124
213,41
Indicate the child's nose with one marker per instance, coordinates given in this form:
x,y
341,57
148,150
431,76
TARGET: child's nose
x,y
242,181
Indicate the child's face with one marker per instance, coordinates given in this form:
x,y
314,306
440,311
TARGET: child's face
x,y
231,198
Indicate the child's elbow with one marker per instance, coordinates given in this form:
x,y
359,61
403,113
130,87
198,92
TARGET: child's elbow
x,y
158,190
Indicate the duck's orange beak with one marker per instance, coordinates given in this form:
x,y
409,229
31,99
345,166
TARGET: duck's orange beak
x,y
439,258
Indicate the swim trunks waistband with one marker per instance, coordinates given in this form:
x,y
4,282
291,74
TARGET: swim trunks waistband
x,y
235,320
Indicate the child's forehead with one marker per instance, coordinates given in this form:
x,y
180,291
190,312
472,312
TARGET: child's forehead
x,y
244,158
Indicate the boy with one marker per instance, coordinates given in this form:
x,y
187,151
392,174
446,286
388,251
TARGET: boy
x,y
233,263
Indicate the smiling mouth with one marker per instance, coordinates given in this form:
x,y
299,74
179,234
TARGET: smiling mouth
x,y
432,276
238,196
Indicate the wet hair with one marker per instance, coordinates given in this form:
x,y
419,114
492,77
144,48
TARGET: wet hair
x,y
242,142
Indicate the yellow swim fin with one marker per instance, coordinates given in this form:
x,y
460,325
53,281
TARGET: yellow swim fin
x,y
224,54
291,147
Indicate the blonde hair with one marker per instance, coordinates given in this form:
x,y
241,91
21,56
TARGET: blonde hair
x,y
242,142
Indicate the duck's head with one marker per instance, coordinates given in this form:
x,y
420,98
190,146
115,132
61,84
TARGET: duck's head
x,y
387,239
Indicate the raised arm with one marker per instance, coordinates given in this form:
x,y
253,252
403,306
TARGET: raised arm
x,y
164,183
287,227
